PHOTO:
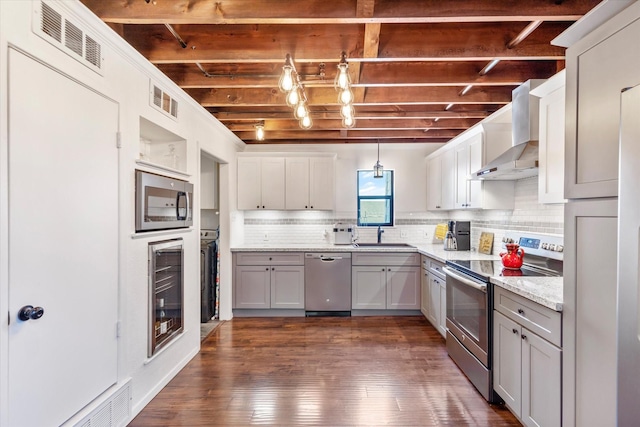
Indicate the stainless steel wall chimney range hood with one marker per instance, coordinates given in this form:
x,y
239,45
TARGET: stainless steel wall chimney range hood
x,y
521,160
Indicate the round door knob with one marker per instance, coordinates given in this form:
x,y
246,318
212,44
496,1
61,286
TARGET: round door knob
x,y
30,312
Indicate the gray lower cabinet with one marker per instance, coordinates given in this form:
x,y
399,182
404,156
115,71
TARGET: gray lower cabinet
x,y
385,281
527,368
270,282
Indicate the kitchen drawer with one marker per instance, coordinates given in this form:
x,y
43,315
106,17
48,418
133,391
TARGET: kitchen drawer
x,y
541,320
436,268
385,258
270,258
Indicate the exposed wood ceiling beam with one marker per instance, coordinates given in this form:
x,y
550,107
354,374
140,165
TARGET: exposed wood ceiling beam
x,y
415,65
324,12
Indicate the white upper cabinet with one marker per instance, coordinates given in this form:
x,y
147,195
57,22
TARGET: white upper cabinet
x,y
297,183
434,183
322,183
448,171
599,66
310,183
441,181
261,183
551,142
468,159
291,183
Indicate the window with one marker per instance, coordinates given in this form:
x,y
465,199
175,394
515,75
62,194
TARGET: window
x,y
375,199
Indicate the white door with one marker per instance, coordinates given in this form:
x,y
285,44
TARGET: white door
x,y
63,243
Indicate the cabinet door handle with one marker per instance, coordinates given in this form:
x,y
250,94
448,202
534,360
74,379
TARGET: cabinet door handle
x,y
382,269
524,337
273,269
266,269
521,312
311,207
515,331
306,207
388,269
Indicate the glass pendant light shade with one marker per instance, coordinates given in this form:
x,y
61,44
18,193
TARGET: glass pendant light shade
x,y
301,110
347,111
378,168
346,96
348,122
293,97
342,78
305,122
286,79
260,132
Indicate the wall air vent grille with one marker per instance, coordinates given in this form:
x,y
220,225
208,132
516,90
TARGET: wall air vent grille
x,y
163,101
73,37
115,412
51,23
53,26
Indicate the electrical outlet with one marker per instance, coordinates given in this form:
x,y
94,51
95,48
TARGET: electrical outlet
x,y
403,234
265,237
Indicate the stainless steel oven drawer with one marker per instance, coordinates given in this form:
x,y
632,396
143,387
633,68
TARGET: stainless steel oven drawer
x,y
541,320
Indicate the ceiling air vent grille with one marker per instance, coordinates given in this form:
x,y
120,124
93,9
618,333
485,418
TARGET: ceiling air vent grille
x,y
60,31
163,101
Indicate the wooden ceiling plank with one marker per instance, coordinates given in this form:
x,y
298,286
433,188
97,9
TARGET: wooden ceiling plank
x,y
352,134
327,96
371,74
362,124
442,42
347,141
344,11
228,116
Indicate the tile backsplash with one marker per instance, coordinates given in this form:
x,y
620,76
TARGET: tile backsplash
x,y
315,227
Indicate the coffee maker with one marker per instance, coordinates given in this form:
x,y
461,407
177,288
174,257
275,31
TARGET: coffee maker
x,y
458,237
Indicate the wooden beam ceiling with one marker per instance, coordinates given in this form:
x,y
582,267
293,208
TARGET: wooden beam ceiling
x,y
408,59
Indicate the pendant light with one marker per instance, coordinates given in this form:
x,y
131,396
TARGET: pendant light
x,y
378,168
260,132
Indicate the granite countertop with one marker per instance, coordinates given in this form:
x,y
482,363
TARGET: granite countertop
x,y
433,250
546,291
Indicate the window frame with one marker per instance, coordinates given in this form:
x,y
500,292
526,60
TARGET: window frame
x,y
390,198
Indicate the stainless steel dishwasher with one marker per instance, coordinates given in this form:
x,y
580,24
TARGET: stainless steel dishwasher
x,y
327,284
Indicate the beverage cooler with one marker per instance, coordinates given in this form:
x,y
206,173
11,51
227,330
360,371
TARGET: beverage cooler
x,y
166,296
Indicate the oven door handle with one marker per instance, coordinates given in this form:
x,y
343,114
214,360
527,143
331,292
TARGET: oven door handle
x,y
451,273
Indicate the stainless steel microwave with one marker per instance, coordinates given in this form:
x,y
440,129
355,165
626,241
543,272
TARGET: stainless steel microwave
x,y
162,203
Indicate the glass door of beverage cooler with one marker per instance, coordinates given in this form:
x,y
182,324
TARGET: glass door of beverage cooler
x,y
166,308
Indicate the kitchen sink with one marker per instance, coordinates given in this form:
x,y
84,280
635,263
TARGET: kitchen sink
x,y
382,245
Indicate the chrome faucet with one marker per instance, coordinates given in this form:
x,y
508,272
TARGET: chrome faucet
x,y
380,231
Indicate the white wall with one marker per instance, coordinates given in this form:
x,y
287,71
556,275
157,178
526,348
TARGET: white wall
x,y
126,80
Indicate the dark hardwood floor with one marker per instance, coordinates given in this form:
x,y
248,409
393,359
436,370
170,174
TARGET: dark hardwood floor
x,y
330,371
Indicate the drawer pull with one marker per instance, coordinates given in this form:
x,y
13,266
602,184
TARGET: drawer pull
x,y
515,331
524,337
521,312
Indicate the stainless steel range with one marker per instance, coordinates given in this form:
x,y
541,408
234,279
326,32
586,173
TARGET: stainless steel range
x,y
470,303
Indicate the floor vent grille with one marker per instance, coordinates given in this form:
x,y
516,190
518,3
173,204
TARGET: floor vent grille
x,y
57,29
113,413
